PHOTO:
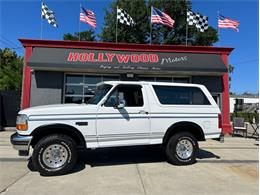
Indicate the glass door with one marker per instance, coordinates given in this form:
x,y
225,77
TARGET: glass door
x,y
217,98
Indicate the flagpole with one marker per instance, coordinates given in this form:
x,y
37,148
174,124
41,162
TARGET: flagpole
x,y
41,20
186,27
218,30
116,22
186,31
151,26
79,19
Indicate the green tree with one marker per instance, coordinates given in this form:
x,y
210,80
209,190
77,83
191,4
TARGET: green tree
x,y
88,35
11,70
248,93
177,10
231,68
140,11
138,33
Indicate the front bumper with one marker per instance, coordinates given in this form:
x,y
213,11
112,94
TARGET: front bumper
x,y
21,142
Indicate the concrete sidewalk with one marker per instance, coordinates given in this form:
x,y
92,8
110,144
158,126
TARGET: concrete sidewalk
x,y
228,168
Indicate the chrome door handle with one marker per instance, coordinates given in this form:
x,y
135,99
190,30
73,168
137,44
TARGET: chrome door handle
x,y
143,112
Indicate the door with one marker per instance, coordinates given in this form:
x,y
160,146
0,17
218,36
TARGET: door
x,y
217,98
127,125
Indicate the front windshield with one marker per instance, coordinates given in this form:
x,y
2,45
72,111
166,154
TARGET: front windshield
x,y
99,94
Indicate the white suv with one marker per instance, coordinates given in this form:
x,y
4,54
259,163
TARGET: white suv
x,y
121,113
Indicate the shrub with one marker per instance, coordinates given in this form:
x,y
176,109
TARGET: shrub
x,y
247,116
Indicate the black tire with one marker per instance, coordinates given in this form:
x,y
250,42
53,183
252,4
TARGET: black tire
x,y
171,149
45,145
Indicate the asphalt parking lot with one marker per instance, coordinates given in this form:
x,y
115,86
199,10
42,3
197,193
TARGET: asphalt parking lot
x,y
221,168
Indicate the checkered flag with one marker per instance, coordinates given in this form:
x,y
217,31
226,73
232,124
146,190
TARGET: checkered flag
x,y
200,21
48,15
124,18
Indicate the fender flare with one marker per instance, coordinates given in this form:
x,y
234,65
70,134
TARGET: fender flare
x,y
60,128
176,126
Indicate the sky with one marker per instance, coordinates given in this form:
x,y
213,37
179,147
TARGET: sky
x,y
22,19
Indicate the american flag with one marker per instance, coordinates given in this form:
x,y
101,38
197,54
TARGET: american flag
x,y
87,16
224,22
159,17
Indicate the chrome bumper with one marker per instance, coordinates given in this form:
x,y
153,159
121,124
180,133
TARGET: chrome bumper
x,y
21,142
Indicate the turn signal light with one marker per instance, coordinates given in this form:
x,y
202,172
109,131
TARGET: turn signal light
x,y
21,127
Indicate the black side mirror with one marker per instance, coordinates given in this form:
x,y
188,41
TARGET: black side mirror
x,y
121,104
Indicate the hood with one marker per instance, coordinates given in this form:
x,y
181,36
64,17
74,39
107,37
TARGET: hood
x,y
60,109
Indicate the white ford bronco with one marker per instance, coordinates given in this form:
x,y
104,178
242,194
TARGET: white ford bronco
x,y
121,113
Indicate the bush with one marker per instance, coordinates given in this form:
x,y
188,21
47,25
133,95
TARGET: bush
x,y
247,116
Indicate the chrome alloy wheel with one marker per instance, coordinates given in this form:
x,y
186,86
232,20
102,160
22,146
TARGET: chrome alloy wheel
x,y
184,149
55,155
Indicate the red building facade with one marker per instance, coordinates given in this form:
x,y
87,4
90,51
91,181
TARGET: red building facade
x,y
67,71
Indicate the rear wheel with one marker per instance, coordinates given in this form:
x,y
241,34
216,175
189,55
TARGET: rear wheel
x,y
54,155
182,149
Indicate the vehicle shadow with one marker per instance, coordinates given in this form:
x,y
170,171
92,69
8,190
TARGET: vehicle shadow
x,y
131,155
123,156
204,154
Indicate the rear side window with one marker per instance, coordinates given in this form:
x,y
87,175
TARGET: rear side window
x,y
180,95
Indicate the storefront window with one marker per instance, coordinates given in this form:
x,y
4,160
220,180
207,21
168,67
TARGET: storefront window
x,y
92,79
73,90
80,88
181,80
147,79
71,99
74,79
166,79
110,78
89,90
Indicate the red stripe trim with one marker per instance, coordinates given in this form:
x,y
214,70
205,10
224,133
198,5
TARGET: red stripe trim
x,y
91,24
90,18
87,20
84,16
220,25
228,21
159,20
83,20
162,19
123,46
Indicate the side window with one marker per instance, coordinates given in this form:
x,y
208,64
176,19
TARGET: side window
x,y
180,95
132,94
113,99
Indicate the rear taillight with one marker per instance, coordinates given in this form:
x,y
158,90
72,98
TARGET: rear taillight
x,y
219,121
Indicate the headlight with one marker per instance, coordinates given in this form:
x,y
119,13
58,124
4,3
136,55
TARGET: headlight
x,y
21,122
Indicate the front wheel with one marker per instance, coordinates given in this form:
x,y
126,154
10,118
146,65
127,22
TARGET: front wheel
x,y
54,155
182,149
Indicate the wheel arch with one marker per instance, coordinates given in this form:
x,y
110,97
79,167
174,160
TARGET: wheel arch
x,y
190,127
57,128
